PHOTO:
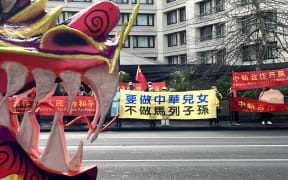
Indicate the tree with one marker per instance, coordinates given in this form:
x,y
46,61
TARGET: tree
x,y
124,77
181,81
239,32
256,32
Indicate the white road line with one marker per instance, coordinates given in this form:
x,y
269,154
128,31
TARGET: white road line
x,y
169,146
43,137
189,160
195,137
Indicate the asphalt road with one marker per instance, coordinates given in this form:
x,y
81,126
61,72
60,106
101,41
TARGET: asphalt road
x,y
181,155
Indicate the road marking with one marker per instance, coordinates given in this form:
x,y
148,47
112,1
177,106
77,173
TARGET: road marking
x,y
77,136
167,146
189,160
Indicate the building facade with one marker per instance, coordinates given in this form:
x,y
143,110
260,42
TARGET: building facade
x,y
174,31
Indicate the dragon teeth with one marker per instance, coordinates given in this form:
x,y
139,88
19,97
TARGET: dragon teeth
x,y
72,82
16,77
5,117
45,80
97,114
76,162
28,136
104,88
55,155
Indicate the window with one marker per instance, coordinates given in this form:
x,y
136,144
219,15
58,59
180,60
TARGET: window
x,y
183,59
249,25
220,56
205,8
249,53
79,0
206,33
183,37
252,52
270,20
143,1
207,57
182,13
64,16
127,42
124,17
144,20
168,1
271,51
172,39
120,1
220,5
220,30
172,59
143,41
172,17
245,2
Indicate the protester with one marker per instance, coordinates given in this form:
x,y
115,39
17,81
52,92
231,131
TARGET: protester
x,y
149,84
233,115
152,122
164,122
265,116
131,87
115,107
219,97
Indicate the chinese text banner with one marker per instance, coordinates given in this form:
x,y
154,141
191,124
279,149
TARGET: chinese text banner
x,y
168,105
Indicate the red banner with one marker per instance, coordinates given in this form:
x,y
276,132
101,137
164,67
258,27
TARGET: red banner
x,y
81,106
253,105
259,79
156,85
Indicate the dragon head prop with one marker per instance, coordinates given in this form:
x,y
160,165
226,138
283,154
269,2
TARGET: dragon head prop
x,y
36,52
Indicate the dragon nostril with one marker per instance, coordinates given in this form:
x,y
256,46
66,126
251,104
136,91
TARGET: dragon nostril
x,y
69,39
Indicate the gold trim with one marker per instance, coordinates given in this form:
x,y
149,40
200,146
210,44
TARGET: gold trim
x,y
39,27
27,13
98,45
32,52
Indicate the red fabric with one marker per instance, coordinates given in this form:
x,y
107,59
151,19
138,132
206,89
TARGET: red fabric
x,y
156,85
140,78
3,81
82,105
254,105
259,79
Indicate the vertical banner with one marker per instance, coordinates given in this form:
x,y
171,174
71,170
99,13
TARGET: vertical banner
x,y
168,105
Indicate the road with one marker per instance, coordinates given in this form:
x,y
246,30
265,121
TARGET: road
x,y
183,155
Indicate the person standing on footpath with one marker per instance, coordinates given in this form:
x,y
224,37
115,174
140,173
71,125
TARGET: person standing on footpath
x,y
265,116
115,107
164,122
131,87
233,115
219,97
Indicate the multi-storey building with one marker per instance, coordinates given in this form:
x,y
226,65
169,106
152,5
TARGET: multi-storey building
x,y
174,31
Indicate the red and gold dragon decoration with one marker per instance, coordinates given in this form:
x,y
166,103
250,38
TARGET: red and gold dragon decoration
x,y
36,52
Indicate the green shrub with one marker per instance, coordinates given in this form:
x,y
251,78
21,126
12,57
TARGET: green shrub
x,y
124,77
